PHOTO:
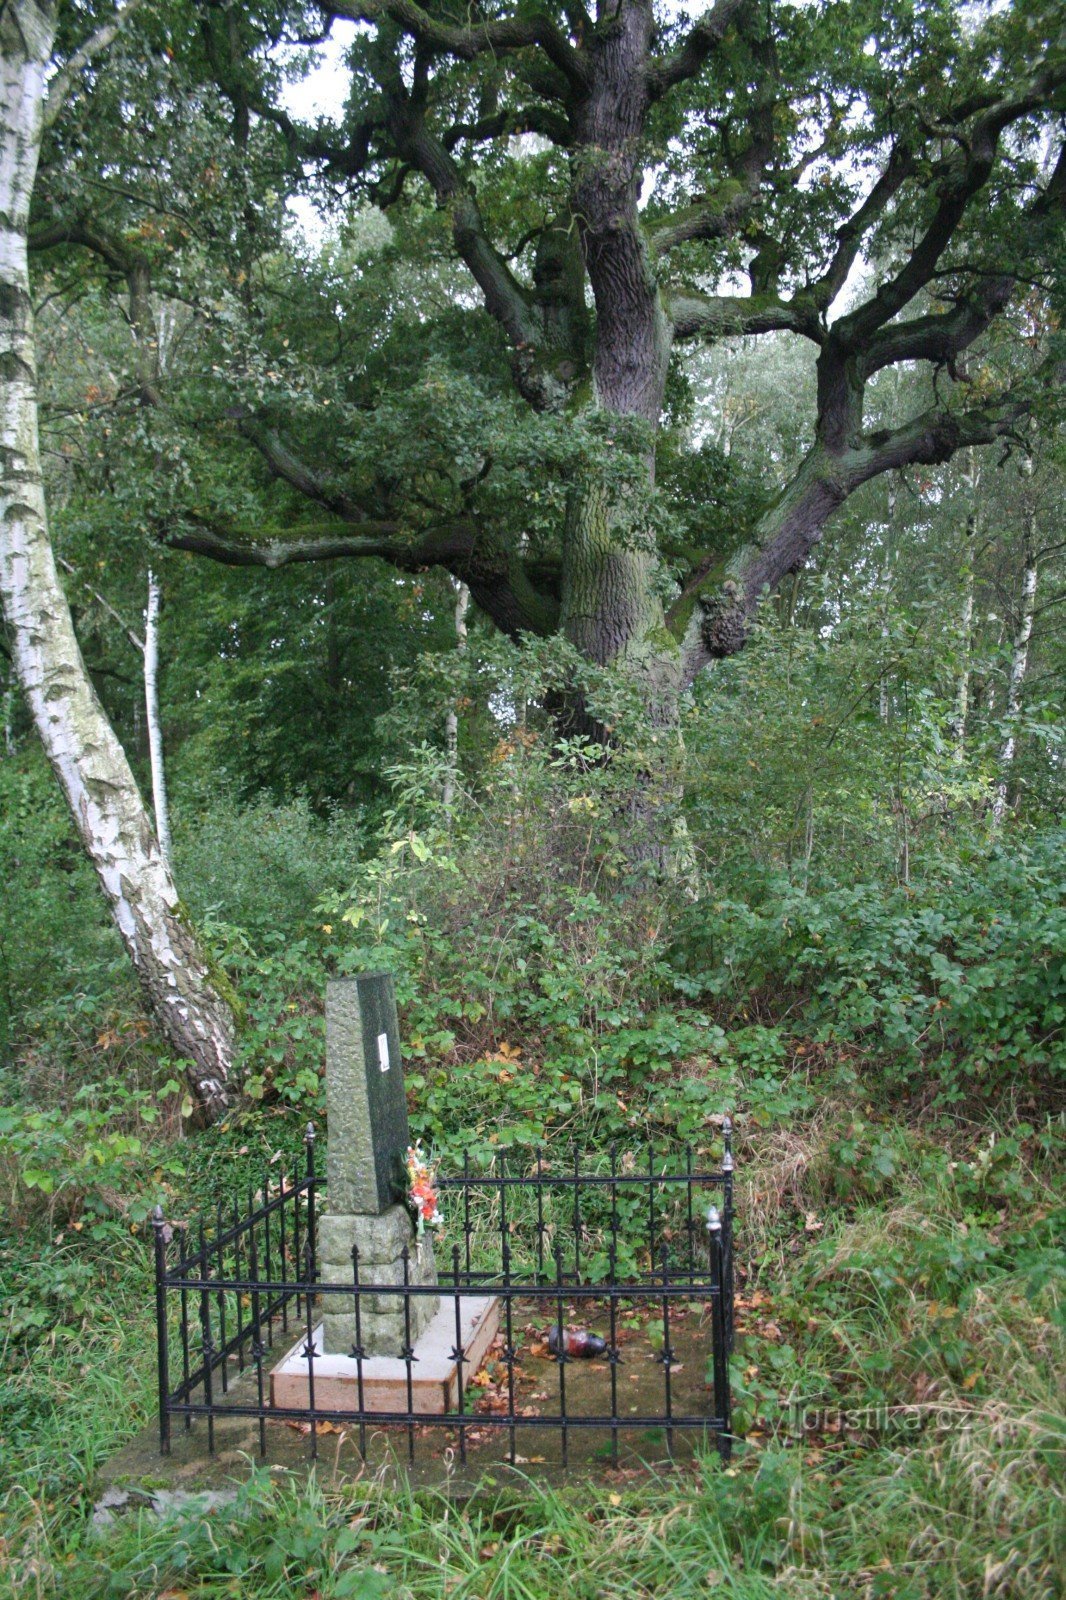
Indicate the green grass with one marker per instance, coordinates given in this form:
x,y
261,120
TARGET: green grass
x,y
967,1515
932,1288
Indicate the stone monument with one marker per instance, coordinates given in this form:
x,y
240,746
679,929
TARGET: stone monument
x,y
366,1179
366,1186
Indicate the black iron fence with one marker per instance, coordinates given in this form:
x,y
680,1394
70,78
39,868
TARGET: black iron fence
x,y
641,1247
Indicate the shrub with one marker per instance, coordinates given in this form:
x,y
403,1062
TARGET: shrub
x,y
965,973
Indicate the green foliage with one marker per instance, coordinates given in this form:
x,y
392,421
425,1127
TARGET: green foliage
x,y
75,1162
51,919
261,868
845,956
964,974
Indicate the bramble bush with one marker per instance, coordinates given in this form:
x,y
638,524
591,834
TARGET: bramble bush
x,y
964,973
75,1163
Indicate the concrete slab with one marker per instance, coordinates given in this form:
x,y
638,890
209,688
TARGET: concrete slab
x,y
434,1373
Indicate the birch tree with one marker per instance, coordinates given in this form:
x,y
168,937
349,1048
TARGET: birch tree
x,y
160,804
87,758
1019,660
972,479
451,722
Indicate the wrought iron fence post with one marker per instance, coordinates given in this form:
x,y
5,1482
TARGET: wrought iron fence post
x,y
668,1354
459,1355
207,1343
719,1352
577,1215
509,1351
162,1342
727,1231
540,1214
310,1246
258,1350
220,1297
613,1356
408,1351
358,1350
561,1355
466,1209
310,1356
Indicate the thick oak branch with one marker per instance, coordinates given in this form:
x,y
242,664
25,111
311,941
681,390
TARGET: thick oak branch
x,y
714,316
512,33
693,51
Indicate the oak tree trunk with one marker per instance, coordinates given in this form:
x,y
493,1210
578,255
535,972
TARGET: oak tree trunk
x,y
610,608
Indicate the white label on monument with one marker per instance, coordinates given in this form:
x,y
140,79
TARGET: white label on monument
x,y
383,1052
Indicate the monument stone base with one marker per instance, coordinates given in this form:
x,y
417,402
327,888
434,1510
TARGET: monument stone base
x,y
381,1241
434,1371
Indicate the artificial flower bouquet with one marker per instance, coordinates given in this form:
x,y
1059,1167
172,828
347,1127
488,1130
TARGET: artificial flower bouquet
x,y
422,1192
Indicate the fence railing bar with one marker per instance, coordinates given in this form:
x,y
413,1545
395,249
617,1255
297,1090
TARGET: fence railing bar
x,y
517,1288
296,1187
564,1180
446,1419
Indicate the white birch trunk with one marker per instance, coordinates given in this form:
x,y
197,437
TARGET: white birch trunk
x,y
451,723
886,591
151,715
1019,664
962,688
85,755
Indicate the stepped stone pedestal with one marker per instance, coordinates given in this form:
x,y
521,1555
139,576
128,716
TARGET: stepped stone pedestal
x,y
381,1241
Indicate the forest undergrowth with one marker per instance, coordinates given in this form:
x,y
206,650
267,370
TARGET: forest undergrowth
x,y
891,1059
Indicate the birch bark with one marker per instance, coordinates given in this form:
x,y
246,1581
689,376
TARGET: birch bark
x,y
160,804
972,479
88,760
451,722
1019,660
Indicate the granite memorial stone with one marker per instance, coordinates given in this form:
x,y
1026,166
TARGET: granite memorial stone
x,y
366,1111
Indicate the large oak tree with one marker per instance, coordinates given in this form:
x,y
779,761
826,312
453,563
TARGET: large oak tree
x,y
884,181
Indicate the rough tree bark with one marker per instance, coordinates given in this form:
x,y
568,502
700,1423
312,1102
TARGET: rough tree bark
x,y
85,755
